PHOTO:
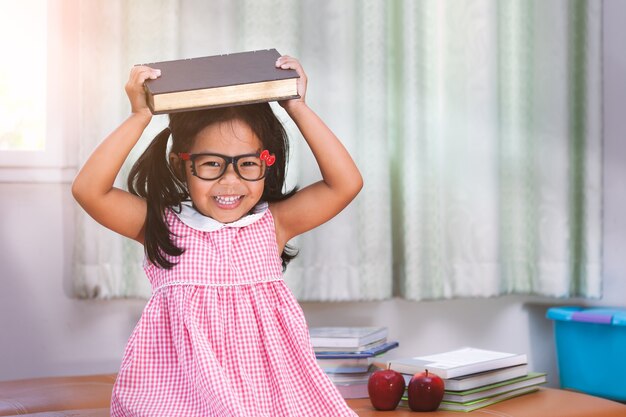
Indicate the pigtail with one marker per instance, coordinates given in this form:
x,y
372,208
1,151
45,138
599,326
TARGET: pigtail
x,y
152,179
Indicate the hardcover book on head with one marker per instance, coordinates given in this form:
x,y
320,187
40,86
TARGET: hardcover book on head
x,y
219,81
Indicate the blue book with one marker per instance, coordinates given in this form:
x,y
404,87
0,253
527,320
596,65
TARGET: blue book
x,y
346,369
368,353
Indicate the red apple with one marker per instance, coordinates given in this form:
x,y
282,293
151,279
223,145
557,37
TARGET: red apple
x,y
385,388
425,391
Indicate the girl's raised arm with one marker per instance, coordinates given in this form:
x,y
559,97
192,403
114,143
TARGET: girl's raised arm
x,y
341,179
93,188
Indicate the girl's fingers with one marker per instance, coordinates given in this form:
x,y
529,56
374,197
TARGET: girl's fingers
x,y
154,73
134,87
138,75
141,73
281,60
287,62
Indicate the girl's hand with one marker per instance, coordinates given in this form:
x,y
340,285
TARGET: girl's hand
x,y
134,88
287,62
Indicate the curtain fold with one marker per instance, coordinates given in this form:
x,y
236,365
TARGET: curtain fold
x,y
476,126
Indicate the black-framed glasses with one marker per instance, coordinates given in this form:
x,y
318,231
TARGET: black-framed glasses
x,y
211,166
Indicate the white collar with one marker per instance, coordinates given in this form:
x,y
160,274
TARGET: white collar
x,y
196,220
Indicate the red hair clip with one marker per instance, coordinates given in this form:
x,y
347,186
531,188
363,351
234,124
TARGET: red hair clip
x,y
269,159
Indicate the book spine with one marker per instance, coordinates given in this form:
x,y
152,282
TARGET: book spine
x,y
149,99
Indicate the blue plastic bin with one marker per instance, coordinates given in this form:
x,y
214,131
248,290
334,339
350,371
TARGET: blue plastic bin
x,y
591,349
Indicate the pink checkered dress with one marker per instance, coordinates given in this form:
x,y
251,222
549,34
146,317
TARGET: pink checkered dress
x,y
222,335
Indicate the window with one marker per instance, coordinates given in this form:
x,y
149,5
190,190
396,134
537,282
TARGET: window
x,y
22,84
38,40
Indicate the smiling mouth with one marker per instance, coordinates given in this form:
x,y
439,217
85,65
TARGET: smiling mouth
x,y
227,201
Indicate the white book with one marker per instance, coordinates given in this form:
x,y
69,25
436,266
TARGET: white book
x,y
346,337
458,362
480,379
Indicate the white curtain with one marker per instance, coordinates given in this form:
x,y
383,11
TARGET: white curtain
x,y
114,35
464,118
498,148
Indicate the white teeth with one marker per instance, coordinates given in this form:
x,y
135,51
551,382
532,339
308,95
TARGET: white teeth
x,y
227,200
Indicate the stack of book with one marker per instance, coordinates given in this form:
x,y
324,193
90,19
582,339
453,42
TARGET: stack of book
x,y
346,355
473,378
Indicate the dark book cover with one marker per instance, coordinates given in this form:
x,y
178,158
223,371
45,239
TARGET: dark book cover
x,y
212,72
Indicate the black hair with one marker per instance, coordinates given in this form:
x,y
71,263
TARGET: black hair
x,y
152,177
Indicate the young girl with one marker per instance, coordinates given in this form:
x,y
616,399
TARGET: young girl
x,y
222,335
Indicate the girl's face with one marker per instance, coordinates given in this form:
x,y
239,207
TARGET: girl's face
x,y
227,198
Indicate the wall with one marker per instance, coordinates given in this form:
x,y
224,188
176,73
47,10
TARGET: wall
x,y
46,333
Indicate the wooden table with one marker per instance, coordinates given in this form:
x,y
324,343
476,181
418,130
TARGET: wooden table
x,y
89,396
546,402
